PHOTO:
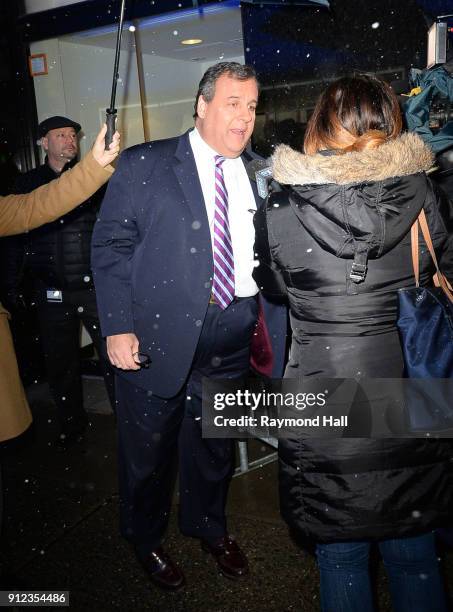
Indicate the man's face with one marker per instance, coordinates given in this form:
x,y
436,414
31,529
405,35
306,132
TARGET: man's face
x,y
226,122
61,144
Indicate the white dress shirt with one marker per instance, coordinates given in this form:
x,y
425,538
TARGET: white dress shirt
x,y
241,206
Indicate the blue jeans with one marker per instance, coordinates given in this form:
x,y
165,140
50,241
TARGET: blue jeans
x,y
411,564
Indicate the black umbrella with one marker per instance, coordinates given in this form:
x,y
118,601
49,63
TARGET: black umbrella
x,y
111,112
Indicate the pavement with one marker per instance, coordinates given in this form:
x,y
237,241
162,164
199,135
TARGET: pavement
x,y
61,530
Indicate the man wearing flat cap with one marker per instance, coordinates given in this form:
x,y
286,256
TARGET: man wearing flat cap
x,y
59,140
57,259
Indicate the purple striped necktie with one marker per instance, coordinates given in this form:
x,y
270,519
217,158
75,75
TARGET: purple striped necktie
x,y
223,279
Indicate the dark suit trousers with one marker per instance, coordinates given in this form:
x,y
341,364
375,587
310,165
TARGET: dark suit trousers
x,y
158,435
59,324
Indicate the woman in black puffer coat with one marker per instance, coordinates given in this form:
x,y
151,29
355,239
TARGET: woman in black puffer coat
x,y
359,183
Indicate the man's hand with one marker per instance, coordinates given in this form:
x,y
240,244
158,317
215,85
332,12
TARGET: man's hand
x,y
103,157
120,348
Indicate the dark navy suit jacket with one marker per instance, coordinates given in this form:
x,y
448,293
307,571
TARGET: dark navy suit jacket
x,y
152,262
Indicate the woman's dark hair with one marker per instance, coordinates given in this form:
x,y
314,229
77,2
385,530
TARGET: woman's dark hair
x,y
352,114
206,87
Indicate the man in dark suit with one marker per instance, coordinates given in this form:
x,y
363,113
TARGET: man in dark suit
x,y
172,256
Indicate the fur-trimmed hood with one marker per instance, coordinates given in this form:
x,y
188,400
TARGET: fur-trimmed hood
x,y
357,205
405,155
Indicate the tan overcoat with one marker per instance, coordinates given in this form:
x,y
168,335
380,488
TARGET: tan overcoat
x,y
18,214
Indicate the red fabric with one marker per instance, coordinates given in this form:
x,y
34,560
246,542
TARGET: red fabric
x,y
261,357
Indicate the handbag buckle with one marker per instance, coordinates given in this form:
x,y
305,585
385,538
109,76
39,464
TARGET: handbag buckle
x,y
358,272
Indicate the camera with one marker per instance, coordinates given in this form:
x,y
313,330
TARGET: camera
x,y
441,109
440,112
428,108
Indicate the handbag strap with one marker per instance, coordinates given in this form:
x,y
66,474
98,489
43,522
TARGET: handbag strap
x,y
415,253
439,279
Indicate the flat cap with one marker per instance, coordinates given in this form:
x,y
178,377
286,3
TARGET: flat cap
x,y
54,123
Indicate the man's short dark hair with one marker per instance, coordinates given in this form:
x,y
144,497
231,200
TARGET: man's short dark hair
x,y
206,88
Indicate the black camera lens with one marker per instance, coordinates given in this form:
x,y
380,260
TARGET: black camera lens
x,y
440,112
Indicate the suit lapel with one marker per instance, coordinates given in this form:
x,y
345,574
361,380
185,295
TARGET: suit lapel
x,y
186,173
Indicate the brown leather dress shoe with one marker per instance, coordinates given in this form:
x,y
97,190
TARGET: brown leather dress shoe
x,y
162,571
230,559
